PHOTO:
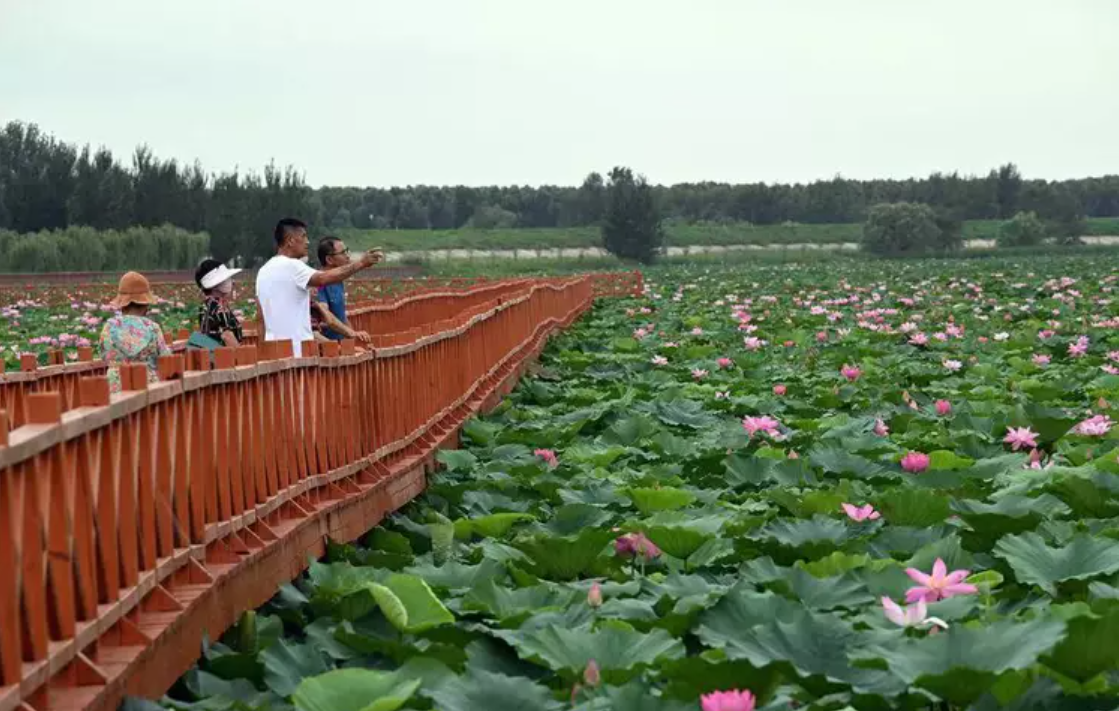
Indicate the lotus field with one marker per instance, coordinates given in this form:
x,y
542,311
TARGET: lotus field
x,y
841,486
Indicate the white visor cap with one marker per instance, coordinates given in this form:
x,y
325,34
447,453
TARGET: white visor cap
x,y
217,275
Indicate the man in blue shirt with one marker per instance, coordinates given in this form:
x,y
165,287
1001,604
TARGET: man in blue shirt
x,y
333,253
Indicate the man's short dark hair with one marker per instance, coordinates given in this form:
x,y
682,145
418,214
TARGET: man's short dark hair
x,y
206,266
285,227
327,245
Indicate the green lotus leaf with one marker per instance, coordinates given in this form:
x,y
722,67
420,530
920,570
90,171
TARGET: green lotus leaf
x,y
565,557
504,603
1036,563
961,663
354,690
494,525
614,648
286,664
650,501
480,690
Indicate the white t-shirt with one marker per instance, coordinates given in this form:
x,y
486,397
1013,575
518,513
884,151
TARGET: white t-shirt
x,y
285,300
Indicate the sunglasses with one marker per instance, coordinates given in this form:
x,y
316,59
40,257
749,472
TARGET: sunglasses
x,y
344,251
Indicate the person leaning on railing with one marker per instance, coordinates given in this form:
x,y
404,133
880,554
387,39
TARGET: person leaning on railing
x,y
284,283
334,253
216,319
130,336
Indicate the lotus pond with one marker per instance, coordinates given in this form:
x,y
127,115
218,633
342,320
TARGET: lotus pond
x,y
838,486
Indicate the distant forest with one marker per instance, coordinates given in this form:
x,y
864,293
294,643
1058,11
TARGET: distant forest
x,y
46,183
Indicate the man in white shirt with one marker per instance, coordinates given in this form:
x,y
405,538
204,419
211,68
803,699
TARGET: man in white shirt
x,y
284,283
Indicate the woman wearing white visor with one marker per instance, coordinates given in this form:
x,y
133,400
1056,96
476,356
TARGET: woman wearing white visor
x,y
216,319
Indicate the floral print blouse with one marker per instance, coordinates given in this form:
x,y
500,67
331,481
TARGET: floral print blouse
x,y
132,339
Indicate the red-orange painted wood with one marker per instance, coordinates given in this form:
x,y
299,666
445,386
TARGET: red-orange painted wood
x,y
129,518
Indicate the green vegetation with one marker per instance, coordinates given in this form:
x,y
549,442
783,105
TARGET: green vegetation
x,y
1023,230
779,491
84,249
632,229
677,234
905,229
48,184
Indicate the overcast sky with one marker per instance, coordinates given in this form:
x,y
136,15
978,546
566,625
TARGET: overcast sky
x,y
377,92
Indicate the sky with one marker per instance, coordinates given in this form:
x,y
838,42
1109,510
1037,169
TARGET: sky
x,y
482,92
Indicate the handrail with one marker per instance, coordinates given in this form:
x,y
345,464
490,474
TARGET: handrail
x,y
131,525
392,314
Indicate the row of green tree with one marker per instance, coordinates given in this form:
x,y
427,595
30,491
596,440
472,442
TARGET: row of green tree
x,y
998,195
85,249
632,225
46,183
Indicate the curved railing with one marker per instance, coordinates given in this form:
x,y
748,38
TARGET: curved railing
x,y
132,525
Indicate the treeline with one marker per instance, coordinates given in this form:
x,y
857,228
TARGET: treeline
x,y
47,184
999,195
50,184
85,249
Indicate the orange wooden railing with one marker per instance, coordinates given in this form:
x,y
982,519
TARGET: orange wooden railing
x,y
132,525
392,314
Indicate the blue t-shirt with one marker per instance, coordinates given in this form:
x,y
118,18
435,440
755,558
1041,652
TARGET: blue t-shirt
x,y
334,296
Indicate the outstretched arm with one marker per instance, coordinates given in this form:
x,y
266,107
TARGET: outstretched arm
x,y
333,276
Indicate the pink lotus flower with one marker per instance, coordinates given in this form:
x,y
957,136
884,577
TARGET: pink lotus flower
x,y
793,454
1041,359
865,512
699,374
724,362
697,331
850,372
764,424
640,333
881,429
671,344
943,408
753,343
722,394
1078,349
733,700
1035,461
636,544
1096,426
919,339
940,585
953,365
548,457
915,462
915,615
1020,437
1046,334
591,675
905,616
821,336
779,390
659,361
594,596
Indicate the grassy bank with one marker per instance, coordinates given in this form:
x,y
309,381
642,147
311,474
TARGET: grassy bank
x,y
499,267
678,235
